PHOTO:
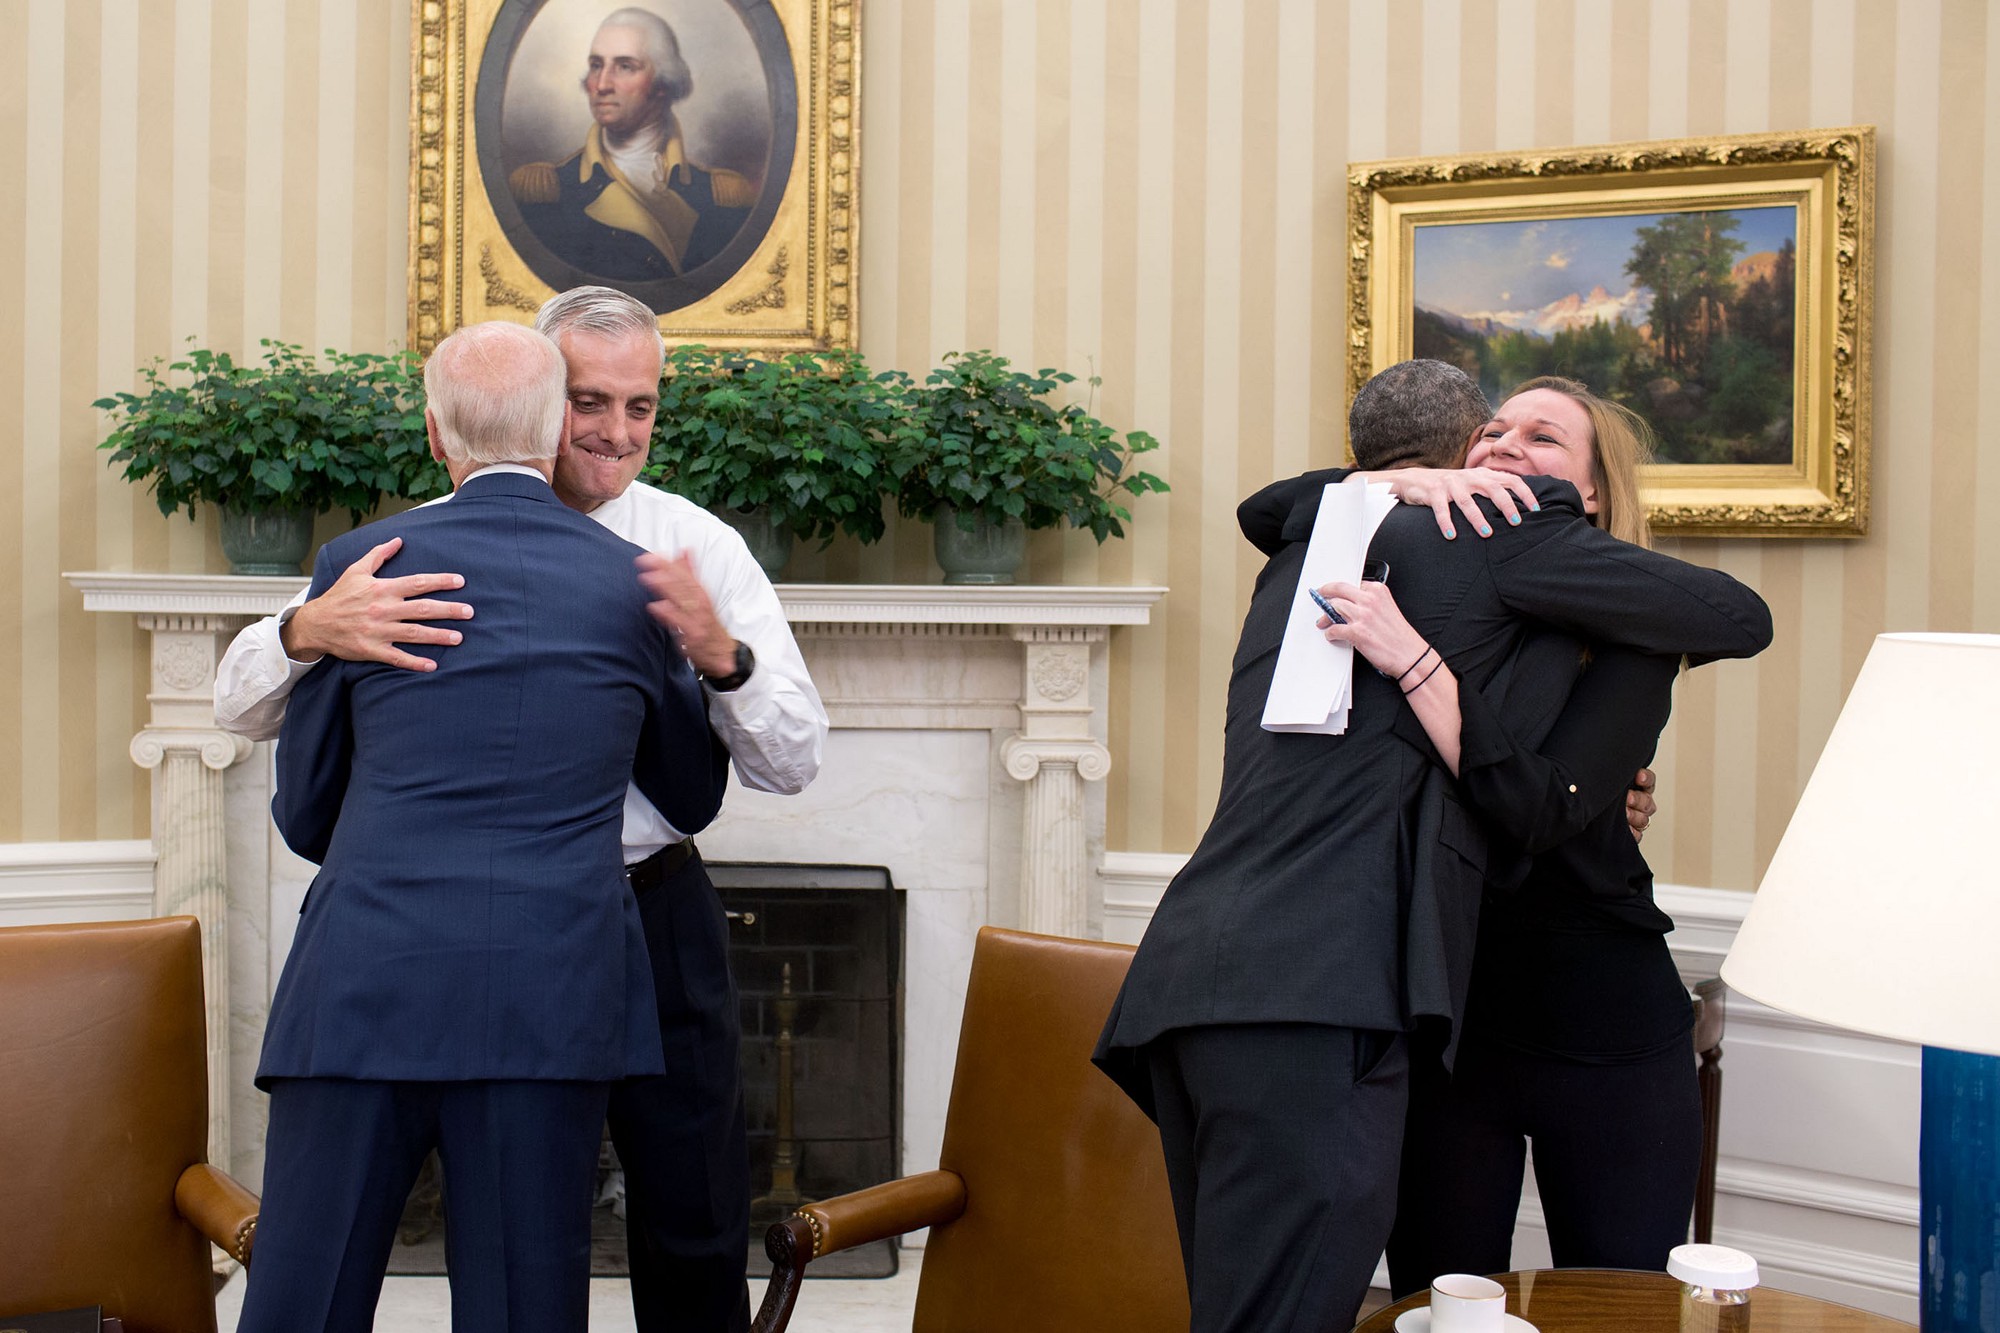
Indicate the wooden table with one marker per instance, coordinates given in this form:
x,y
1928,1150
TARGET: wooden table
x,y
1599,1300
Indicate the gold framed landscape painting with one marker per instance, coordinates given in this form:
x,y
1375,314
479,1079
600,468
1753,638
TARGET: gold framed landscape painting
x,y
697,154
1721,288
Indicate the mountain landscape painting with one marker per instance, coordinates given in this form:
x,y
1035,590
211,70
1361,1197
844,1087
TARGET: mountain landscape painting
x,y
1687,317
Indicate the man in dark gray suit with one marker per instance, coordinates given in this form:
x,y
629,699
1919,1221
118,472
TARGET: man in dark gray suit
x,y
1264,1024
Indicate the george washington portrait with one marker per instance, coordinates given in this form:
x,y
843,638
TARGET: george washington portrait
x,y
644,147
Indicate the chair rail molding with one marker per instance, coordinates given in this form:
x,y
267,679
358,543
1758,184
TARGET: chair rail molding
x,y
45,883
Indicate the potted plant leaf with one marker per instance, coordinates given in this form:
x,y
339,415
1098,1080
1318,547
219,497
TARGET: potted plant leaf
x,y
986,455
790,447
273,445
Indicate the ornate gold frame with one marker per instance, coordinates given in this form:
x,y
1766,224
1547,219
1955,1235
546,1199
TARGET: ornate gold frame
x,y
795,292
1828,174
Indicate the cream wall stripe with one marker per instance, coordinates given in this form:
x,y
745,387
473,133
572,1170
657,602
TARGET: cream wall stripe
x,y
1150,30
123,170
1367,101
1555,58
1631,72
1404,82
1779,674
16,127
1918,176
1594,95
395,165
983,192
73,770
142,539
949,128
881,119
1440,53
1986,544
1132,800
226,258
1747,91
361,287
298,247
1790,65
1708,62
266,168
1294,280
882,208
1256,271
41,420
1019,176
1667,57
187,310
1832,63
333,293
1478,75
1187,751
1735,783
1220,263
1079,302
1957,265
1516,61
1329,270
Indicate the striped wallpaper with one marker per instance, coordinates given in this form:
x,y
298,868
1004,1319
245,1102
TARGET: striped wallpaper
x,y
1150,189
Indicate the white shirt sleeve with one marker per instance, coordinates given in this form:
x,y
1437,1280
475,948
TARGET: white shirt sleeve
x,y
774,725
254,678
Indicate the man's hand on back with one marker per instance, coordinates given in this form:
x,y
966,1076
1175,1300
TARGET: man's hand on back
x,y
362,618
682,605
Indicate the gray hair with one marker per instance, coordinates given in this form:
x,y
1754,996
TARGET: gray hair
x,y
1417,412
672,82
496,391
599,310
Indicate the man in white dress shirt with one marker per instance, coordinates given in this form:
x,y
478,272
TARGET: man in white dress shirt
x,y
680,1137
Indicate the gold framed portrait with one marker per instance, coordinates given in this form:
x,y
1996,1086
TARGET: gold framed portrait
x,y
699,155
1721,288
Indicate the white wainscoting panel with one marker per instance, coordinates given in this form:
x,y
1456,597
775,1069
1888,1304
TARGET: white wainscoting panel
x,y
46,883
1817,1175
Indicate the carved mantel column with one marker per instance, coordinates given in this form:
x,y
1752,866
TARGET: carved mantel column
x,y
191,618
1055,754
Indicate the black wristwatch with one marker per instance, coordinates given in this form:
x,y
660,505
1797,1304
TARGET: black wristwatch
x,y
746,662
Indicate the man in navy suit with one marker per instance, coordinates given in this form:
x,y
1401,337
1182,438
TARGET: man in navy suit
x,y
469,973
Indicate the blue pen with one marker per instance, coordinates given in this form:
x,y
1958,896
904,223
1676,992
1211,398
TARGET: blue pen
x,y
1326,606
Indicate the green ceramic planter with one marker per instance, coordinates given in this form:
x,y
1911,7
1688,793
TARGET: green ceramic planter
x,y
268,543
987,553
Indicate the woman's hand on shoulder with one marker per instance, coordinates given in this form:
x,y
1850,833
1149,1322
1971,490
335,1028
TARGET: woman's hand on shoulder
x,y
1445,489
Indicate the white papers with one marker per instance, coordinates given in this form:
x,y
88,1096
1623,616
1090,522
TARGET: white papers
x,y
1313,682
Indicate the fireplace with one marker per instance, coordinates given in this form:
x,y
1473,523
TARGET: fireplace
x,y
817,955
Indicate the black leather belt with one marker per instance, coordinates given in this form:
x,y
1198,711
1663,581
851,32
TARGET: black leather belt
x,y
656,869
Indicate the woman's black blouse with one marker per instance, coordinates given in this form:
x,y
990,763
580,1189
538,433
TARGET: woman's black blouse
x,y
1572,959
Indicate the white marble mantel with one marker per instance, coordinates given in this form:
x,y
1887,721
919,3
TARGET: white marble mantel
x,y
968,744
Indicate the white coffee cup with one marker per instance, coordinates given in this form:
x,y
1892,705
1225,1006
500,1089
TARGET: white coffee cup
x,y
1462,1303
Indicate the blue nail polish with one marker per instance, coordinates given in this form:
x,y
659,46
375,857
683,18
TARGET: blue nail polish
x,y
1451,534
1515,519
1485,531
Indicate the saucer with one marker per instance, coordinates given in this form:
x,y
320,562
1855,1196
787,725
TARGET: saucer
x,y
1419,1321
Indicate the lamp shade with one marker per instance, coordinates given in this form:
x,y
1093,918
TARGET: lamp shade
x,y
1881,908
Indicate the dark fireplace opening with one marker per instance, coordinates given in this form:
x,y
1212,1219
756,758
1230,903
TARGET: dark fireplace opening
x,y
817,955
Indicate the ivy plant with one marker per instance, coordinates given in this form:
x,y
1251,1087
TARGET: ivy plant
x,y
292,432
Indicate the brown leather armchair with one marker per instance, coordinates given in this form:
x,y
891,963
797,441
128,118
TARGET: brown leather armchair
x,y
104,1127
1049,1207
